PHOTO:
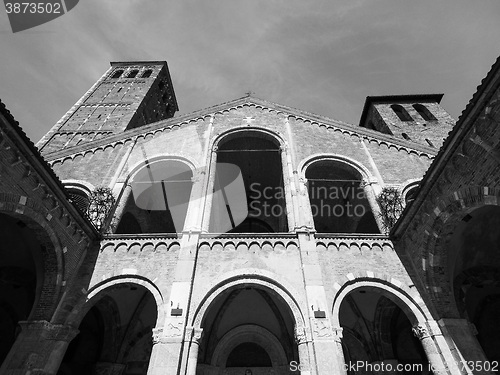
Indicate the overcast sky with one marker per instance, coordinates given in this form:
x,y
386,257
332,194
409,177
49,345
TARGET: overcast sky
x,y
324,57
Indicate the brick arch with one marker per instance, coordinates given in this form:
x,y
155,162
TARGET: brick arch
x,y
356,165
412,305
234,132
133,170
445,216
239,278
99,291
36,218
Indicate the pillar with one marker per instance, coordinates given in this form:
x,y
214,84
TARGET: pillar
x,y
194,347
436,349
39,348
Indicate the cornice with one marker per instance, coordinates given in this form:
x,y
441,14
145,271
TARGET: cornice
x,y
136,134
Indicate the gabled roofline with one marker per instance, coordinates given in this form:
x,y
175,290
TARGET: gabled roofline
x,y
465,123
234,103
411,98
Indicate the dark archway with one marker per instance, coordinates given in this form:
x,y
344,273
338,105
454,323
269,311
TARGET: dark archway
x,y
21,275
376,330
115,333
474,269
247,327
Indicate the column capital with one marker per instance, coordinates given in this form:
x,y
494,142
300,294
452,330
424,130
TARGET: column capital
x,y
421,331
193,334
300,335
48,331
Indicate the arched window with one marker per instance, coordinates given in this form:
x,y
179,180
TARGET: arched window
x,y
147,73
429,142
249,194
160,198
411,194
401,112
117,74
338,200
79,199
133,73
424,112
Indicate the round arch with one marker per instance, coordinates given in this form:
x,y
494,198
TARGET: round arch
x,y
84,186
132,172
246,277
365,173
34,216
98,291
445,217
239,131
249,333
415,313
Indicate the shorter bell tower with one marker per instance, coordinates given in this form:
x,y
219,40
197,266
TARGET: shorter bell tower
x,y
414,118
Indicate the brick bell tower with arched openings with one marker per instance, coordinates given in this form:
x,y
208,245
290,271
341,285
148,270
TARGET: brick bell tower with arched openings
x,y
249,237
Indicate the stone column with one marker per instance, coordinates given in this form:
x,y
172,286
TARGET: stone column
x,y
193,350
39,348
303,343
426,333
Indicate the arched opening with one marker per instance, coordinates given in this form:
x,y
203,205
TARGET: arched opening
x,y
21,275
424,112
248,327
338,199
160,199
115,335
411,194
133,73
147,73
401,112
474,264
117,74
249,194
79,199
376,330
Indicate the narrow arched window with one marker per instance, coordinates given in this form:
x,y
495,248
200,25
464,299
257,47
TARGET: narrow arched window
x,y
424,112
117,74
406,136
147,73
429,142
401,112
133,73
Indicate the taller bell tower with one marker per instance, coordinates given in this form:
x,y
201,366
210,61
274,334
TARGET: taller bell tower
x,y
128,95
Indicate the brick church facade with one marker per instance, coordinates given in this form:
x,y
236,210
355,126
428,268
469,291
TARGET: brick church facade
x,y
250,237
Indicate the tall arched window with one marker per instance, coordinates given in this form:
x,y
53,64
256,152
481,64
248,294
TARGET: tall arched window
x,y
401,112
338,199
79,199
249,194
160,198
424,112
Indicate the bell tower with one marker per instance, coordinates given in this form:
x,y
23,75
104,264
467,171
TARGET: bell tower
x,y
414,118
127,96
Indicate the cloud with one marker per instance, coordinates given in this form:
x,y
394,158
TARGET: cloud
x,y
320,56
